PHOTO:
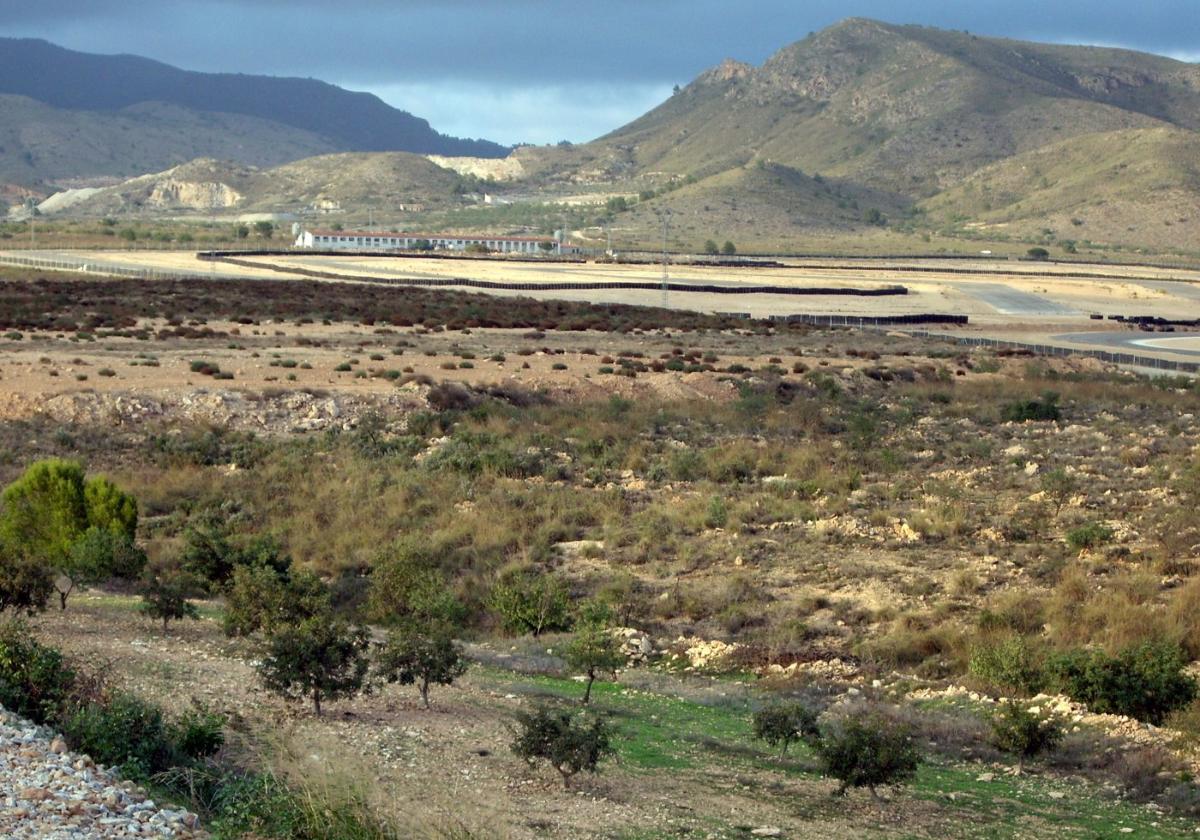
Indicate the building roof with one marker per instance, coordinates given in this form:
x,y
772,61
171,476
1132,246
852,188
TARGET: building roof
x,y
411,235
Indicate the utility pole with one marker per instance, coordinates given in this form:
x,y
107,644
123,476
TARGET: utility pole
x,y
32,233
666,220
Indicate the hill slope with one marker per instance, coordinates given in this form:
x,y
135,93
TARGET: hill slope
x,y
905,108
275,119
352,180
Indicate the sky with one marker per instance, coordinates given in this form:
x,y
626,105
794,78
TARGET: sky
x,y
541,71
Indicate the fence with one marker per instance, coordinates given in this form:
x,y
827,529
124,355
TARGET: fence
x,y
1128,359
102,268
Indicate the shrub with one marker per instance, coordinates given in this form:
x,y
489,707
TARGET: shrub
x,y
34,680
412,657
1144,681
1008,661
199,732
261,597
1039,254
867,752
564,738
781,724
321,658
528,601
123,730
165,597
1091,535
25,584
1044,409
1018,731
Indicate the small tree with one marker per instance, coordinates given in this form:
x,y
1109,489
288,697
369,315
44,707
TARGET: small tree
x,y
1018,731
264,229
728,249
711,248
531,602
321,658
782,724
241,231
165,597
564,738
1059,486
1040,254
594,647
260,597
410,657
867,752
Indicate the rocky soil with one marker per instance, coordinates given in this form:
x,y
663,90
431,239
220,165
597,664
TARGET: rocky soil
x,y
50,793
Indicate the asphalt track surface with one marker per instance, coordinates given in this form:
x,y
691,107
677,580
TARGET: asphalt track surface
x,y
1009,301
1122,342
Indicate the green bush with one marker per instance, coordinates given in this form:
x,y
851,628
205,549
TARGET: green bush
x,y
1011,662
34,680
25,584
528,601
1144,681
198,732
1018,731
1091,535
123,730
867,752
781,724
1043,409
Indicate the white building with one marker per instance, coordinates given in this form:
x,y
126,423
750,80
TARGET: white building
x,y
358,240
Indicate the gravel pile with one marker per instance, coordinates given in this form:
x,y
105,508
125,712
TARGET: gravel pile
x,y
49,793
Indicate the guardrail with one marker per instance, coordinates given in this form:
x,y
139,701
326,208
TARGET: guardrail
x,y
1128,359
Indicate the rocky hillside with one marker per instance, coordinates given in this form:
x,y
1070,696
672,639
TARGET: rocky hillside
x,y
392,180
918,116
82,115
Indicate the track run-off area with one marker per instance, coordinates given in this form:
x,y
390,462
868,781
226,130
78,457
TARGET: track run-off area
x,y
1069,305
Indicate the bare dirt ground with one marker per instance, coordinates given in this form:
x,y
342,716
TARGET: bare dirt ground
x,y
450,765
933,287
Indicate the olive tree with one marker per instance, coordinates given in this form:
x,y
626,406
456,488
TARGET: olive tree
x,y
867,752
166,597
321,658
412,657
784,723
593,648
565,738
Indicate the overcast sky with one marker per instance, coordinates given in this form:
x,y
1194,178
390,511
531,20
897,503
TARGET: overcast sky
x,y
539,70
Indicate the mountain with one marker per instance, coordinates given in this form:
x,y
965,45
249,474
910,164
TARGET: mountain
x,y
40,143
909,120
174,115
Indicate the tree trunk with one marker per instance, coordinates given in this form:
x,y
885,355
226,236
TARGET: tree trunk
x,y
874,793
316,695
165,620
62,599
587,692
566,777
425,692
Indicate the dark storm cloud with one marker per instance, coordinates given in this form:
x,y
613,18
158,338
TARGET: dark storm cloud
x,y
524,48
